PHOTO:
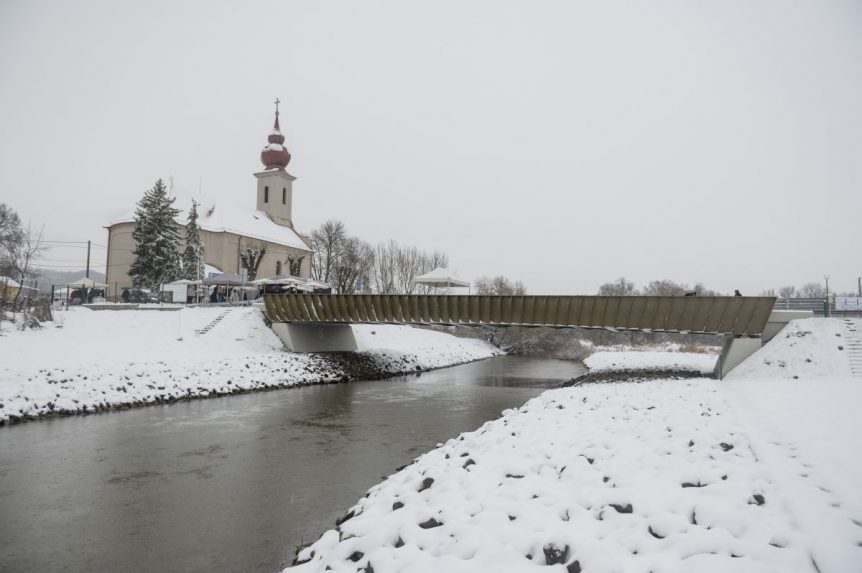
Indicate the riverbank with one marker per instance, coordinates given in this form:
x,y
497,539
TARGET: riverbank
x,y
754,473
88,362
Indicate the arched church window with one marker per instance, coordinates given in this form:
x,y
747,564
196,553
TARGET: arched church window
x,y
278,267
284,195
266,194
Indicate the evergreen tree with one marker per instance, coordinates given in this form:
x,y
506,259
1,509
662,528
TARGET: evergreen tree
x,y
193,256
157,240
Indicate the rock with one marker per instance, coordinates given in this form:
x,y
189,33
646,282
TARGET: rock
x,y
397,505
430,524
653,533
554,555
356,556
726,447
426,483
622,508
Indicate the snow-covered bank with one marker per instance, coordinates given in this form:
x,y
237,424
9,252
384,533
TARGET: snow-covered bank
x,y
754,474
91,361
644,361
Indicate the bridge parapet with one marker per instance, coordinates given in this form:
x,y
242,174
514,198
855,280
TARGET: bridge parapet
x,y
734,316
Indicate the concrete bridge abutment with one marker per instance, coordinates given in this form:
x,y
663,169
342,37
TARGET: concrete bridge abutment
x,y
736,349
316,337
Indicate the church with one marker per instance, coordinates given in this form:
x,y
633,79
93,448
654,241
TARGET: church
x,y
228,230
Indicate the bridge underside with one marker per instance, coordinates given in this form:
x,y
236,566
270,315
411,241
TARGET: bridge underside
x,y
734,316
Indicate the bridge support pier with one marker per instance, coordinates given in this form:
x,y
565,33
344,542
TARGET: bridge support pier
x,y
316,337
734,352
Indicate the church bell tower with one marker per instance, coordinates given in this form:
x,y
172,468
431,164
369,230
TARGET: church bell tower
x,y
274,183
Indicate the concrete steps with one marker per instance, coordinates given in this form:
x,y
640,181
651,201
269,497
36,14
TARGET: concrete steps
x,y
853,345
214,322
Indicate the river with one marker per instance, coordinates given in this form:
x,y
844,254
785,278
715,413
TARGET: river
x,y
234,483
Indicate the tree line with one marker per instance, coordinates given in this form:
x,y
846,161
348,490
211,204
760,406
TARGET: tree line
x,y
624,287
351,264
665,287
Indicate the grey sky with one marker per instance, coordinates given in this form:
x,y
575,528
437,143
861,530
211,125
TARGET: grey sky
x,y
564,144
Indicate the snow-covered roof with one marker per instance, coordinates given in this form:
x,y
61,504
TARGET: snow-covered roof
x,y
221,217
9,282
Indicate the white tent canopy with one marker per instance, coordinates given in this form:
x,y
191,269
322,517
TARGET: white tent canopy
x,y
85,283
440,278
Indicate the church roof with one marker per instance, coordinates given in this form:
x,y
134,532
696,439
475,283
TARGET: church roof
x,y
222,217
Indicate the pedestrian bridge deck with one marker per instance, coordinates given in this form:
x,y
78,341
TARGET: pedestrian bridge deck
x,y
737,316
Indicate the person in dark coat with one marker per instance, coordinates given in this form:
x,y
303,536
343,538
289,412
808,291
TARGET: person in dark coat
x,y
737,293
126,295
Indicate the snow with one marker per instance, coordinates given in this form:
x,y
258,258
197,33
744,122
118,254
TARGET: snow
x,y
9,282
806,348
756,473
631,361
99,359
218,217
273,147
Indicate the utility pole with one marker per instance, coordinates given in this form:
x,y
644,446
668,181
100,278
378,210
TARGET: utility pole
x,y
88,259
828,313
859,280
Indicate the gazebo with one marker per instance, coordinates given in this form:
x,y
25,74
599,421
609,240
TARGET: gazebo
x,y
81,290
440,278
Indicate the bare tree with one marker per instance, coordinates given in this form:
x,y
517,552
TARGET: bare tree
x,y
787,291
328,243
408,266
384,272
250,259
499,285
23,255
294,265
812,290
484,285
620,287
354,266
665,288
11,233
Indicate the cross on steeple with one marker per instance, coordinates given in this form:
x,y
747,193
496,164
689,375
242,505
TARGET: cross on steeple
x,y
277,101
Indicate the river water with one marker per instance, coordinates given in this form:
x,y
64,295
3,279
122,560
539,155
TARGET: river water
x,y
234,483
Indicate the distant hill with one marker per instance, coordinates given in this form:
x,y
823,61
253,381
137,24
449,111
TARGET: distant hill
x,y
48,277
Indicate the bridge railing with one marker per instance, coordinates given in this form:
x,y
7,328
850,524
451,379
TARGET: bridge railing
x,y
740,316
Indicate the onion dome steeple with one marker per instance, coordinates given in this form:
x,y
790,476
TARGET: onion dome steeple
x,y
275,155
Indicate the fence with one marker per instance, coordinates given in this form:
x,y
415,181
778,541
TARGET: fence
x,y
815,305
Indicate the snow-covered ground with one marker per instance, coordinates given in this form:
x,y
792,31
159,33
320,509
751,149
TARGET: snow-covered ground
x,y
91,360
760,472
639,361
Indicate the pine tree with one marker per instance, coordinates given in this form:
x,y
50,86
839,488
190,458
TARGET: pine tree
x,y
193,256
157,240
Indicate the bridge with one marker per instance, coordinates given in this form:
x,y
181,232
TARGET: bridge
x,y
320,323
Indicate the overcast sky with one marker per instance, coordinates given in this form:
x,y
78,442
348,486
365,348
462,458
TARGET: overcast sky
x,y
564,144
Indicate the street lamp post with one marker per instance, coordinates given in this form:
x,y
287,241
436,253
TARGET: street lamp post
x,y
828,313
